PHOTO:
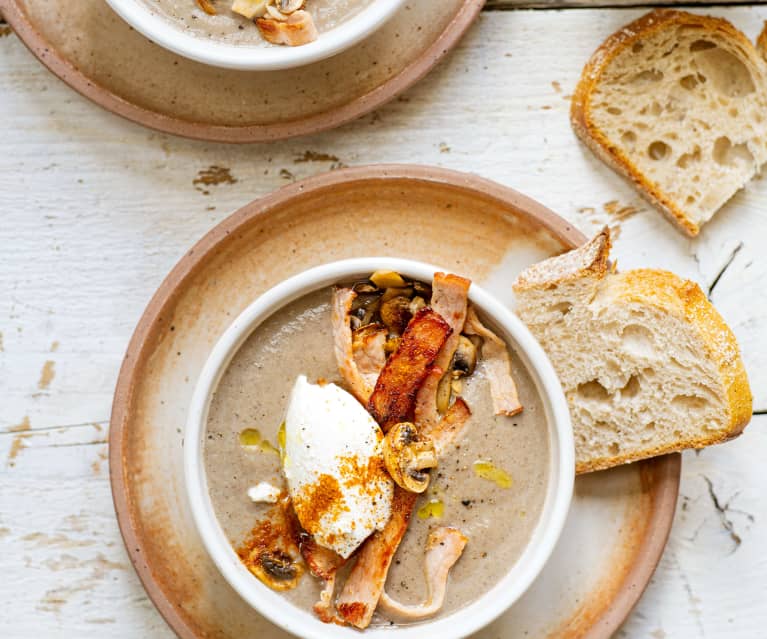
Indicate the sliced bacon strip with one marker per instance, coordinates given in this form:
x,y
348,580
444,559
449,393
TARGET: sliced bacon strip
x,y
449,298
343,343
426,412
323,563
365,583
368,348
393,398
443,548
498,366
449,429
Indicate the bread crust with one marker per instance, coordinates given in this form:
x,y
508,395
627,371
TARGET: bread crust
x,y
580,106
677,297
588,260
761,42
685,299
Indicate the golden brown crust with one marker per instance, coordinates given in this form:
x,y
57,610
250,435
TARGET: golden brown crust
x,y
761,42
580,107
588,260
685,299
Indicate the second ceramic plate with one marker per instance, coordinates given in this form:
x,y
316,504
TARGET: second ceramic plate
x,y
94,51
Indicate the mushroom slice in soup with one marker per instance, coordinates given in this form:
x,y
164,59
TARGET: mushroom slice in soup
x,y
409,457
444,547
271,552
503,389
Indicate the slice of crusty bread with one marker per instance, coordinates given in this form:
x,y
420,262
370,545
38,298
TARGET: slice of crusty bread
x,y
646,362
677,103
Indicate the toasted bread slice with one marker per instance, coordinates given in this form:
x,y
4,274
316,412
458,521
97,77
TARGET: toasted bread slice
x,y
677,103
646,362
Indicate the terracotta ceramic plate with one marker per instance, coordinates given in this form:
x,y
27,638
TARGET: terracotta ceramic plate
x,y
619,521
89,47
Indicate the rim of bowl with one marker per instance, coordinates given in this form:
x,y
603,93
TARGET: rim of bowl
x,y
257,57
464,621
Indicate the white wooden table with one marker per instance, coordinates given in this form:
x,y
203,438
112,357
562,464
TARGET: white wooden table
x,y
94,211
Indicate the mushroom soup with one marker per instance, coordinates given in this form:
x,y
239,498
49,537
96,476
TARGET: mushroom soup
x,y
456,471
240,21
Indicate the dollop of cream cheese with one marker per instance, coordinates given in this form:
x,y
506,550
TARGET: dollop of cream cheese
x,y
333,463
264,492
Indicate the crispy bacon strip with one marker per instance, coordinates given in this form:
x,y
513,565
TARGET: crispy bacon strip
x,y
498,365
365,583
450,298
443,548
341,306
393,398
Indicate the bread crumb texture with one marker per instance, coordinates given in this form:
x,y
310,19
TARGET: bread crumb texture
x,y
677,103
647,364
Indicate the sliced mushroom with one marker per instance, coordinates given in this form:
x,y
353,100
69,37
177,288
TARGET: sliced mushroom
x,y
422,290
408,457
395,314
365,287
275,13
387,279
444,392
365,307
397,291
416,304
276,569
289,6
464,358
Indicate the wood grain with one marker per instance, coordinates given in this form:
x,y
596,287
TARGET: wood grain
x,y
96,210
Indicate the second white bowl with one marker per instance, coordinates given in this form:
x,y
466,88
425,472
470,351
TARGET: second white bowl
x,y
257,57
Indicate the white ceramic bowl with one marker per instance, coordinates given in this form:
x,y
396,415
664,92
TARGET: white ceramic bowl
x,y
257,57
487,607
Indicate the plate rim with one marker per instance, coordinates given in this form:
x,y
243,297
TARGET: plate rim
x,y
662,473
15,15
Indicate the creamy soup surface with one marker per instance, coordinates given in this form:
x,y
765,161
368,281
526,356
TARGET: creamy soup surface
x,y
254,392
233,28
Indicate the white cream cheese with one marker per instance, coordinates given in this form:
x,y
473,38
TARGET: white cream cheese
x,y
264,492
334,466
